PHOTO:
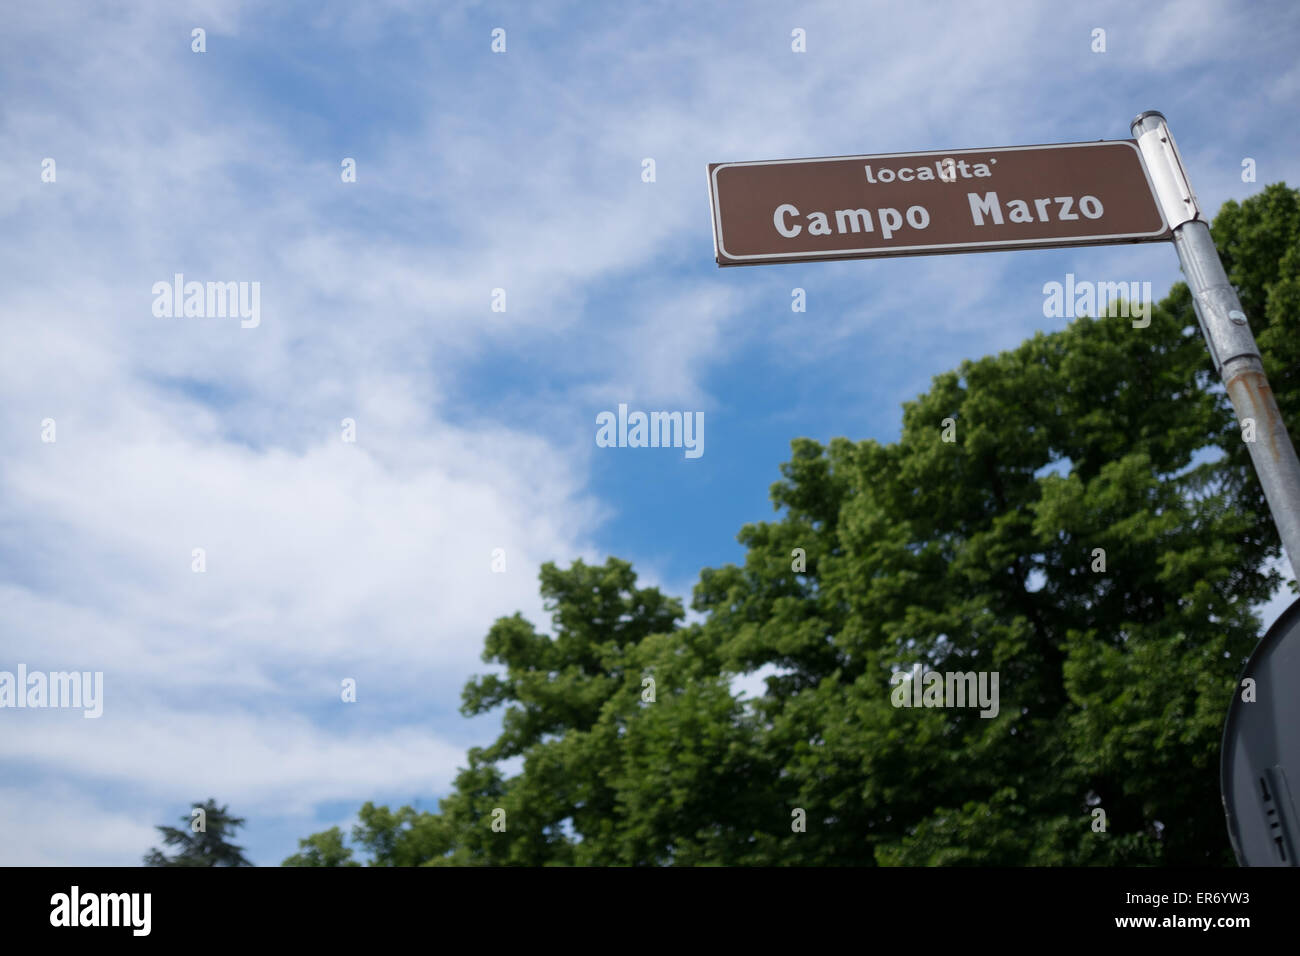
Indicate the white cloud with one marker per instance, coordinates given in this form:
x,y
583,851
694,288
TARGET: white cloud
x,y
274,762
59,826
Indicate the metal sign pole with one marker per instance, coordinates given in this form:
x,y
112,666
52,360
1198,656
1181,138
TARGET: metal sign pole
x,y
1227,333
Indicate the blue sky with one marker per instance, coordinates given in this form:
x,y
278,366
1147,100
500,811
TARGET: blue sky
x,y
475,429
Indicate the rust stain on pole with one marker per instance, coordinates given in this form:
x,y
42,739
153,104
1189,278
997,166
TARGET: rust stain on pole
x,y
1251,394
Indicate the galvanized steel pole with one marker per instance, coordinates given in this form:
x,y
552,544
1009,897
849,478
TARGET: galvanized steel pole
x,y
1226,330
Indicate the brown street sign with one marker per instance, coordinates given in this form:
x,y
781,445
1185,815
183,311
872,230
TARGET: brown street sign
x,y
908,204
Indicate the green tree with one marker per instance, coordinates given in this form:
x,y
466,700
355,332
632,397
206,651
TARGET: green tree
x,y
978,555
322,849
204,841
568,698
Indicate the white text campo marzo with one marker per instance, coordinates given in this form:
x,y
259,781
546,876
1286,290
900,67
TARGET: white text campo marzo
x,y
891,220
918,217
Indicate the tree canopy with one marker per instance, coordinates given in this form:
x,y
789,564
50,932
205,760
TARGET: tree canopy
x,y
1094,534
204,841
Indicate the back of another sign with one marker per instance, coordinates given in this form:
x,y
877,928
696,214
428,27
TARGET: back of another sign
x,y
1261,750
